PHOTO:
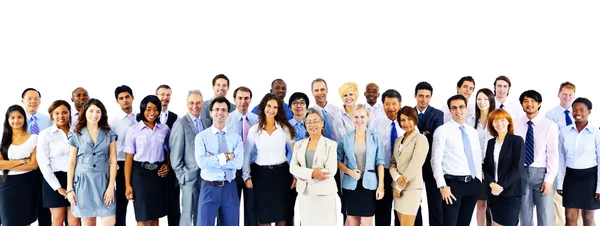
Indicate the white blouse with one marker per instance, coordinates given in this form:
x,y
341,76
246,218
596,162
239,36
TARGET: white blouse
x,y
22,151
497,148
270,148
52,154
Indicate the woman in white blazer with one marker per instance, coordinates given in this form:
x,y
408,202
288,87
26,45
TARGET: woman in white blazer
x,y
314,163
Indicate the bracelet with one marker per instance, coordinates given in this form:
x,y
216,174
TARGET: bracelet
x,y
69,191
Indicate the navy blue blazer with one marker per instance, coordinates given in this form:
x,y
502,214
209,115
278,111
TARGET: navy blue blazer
x,y
432,119
510,164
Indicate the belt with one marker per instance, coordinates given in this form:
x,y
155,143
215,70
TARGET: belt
x,y
465,179
150,166
217,183
273,166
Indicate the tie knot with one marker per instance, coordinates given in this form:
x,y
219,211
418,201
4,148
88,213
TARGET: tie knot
x,y
462,128
33,118
421,114
221,133
567,111
529,122
393,124
244,117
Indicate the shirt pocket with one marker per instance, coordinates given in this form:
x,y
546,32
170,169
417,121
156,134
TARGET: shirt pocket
x,y
141,143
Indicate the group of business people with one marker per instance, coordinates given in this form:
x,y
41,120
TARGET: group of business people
x,y
375,156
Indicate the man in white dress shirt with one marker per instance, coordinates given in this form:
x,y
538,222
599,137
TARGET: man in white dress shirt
x,y
389,129
456,164
465,87
501,89
120,123
541,160
79,96
375,107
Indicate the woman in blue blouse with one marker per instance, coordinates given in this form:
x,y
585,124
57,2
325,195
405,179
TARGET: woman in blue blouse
x,y
360,157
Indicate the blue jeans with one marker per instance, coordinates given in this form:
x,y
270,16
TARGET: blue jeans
x,y
532,180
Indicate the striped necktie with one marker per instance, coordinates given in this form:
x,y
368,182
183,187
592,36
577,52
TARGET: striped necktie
x,y
35,128
529,154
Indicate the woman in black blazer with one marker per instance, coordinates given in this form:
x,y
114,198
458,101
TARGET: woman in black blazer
x,y
502,168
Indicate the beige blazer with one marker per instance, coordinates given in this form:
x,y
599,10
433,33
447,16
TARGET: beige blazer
x,y
409,159
325,158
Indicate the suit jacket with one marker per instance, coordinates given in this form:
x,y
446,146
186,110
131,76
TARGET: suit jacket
x,y
375,156
432,119
171,119
409,159
510,164
181,142
325,158
205,113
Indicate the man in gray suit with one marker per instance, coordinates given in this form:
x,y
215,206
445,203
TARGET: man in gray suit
x,y
182,156
220,87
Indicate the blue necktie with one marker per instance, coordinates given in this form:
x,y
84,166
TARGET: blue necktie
x,y
223,149
300,131
501,105
568,118
35,128
327,130
468,151
529,144
393,136
198,125
420,117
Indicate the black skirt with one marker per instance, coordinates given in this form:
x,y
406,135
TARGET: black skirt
x,y
271,191
50,197
19,199
579,189
359,202
505,210
148,193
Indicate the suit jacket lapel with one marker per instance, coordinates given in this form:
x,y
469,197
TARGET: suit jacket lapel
x,y
302,153
319,150
408,141
191,123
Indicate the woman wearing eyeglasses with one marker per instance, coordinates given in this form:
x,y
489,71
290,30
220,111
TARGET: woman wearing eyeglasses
x,y
314,163
146,165
266,167
360,157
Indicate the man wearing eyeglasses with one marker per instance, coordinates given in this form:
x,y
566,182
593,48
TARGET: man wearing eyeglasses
x,y
456,164
464,87
240,121
279,88
298,104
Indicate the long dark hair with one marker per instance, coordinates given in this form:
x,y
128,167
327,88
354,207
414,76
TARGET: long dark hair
x,y
7,133
491,99
82,120
280,118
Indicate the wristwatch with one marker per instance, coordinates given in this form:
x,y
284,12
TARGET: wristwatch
x,y
25,161
442,187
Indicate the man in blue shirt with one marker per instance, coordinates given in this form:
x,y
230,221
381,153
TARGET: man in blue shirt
x,y
279,88
219,154
298,103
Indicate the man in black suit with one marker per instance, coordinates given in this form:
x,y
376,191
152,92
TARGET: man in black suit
x,y
163,92
430,119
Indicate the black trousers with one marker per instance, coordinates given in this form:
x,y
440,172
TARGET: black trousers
x,y
44,216
172,198
383,207
461,210
122,201
289,221
338,183
434,198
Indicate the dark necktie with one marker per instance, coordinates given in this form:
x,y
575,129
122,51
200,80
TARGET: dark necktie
x,y
327,125
501,105
420,117
568,117
393,135
529,144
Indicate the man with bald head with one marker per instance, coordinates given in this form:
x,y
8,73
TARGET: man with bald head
x,y
375,107
79,96
279,88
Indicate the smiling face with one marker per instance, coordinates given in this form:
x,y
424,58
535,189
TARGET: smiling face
x,y
31,101
349,98
298,107
271,109
581,113
566,96
483,102
151,112
319,92
360,118
279,88
391,105
93,114
61,116
16,120
164,95
407,124
219,113
242,101
466,89
194,104
500,125
79,97
423,97
458,109
314,124
501,88
530,106
221,87
372,93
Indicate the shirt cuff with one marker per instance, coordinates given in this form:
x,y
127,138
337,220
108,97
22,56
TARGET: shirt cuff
x,y
396,177
222,159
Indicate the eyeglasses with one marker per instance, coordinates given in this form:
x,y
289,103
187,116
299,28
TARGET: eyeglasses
x,y
316,121
298,103
219,109
454,108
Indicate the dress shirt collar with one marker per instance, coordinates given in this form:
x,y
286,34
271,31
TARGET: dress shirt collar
x,y
122,115
294,122
421,111
193,118
141,125
535,119
214,130
456,124
588,127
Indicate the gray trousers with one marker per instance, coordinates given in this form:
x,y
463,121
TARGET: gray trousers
x,y
532,183
190,192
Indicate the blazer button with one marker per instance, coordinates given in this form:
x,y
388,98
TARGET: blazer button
x,y
94,165
93,153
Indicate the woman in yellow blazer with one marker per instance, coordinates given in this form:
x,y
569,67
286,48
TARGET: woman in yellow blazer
x,y
314,163
409,155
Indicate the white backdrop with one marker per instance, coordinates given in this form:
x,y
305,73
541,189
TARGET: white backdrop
x,y
57,46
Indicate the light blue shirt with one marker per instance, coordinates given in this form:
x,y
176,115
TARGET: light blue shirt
x,y
235,124
213,167
288,112
383,127
374,157
557,115
120,123
300,129
43,121
578,150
